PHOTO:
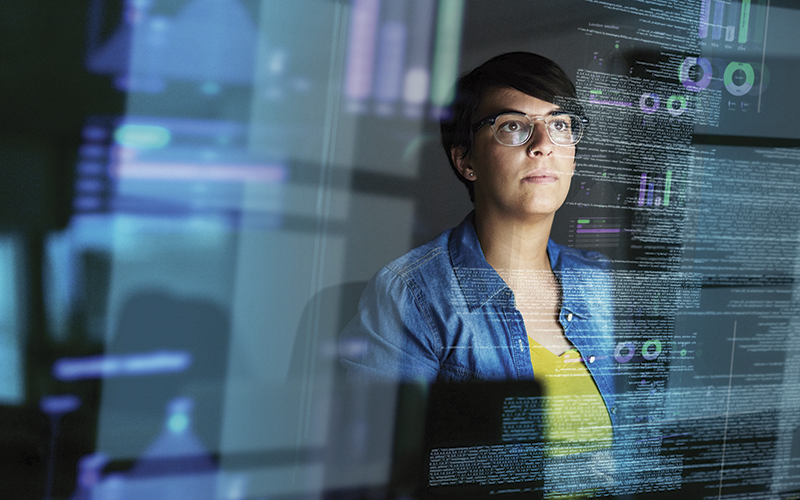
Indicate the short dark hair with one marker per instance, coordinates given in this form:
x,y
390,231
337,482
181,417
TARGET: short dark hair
x,y
529,73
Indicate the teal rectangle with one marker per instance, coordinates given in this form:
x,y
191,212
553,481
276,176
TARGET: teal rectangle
x,y
667,187
744,21
446,54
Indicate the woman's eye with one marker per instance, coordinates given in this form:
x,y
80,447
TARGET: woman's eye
x,y
511,126
560,125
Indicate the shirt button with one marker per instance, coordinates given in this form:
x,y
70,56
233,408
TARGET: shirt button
x,y
569,317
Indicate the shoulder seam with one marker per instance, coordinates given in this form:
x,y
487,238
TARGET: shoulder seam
x,y
417,295
433,253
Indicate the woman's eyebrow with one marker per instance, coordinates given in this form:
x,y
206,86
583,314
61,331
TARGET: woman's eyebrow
x,y
515,111
556,111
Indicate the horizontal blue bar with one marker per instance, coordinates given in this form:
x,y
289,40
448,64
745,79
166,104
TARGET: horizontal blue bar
x,y
105,366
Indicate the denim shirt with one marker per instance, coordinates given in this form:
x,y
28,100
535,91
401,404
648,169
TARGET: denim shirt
x,y
442,312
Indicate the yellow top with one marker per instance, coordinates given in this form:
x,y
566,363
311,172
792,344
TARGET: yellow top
x,y
576,419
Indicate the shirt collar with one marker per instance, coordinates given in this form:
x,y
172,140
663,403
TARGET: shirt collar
x,y
478,280
480,283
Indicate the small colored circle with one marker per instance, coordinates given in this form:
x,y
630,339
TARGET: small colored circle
x,y
683,352
646,352
630,350
178,423
676,105
649,103
685,73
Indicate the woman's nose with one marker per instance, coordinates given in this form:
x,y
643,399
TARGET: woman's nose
x,y
539,143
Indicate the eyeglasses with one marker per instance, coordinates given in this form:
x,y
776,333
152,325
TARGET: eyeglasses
x,y
513,128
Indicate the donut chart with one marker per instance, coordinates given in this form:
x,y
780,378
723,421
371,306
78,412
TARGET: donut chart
x,y
624,358
739,89
654,100
676,105
685,78
647,354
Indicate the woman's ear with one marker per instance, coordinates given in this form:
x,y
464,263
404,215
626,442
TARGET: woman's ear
x,y
460,158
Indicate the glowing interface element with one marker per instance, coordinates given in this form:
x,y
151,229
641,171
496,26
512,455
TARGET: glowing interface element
x,y
68,369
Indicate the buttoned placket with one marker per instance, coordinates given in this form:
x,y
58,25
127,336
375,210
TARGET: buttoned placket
x,y
589,358
519,338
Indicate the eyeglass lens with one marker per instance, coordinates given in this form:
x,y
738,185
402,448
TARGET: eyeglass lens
x,y
513,129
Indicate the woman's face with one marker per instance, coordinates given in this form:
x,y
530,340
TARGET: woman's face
x,y
518,182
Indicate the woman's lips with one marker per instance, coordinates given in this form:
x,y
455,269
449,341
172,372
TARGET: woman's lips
x,y
540,178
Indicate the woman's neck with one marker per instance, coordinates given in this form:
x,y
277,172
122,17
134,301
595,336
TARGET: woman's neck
x,y
513,244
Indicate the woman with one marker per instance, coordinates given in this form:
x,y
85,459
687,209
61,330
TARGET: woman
x,y
494,298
